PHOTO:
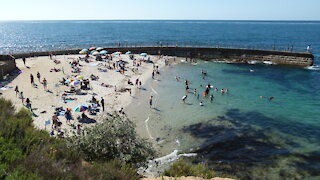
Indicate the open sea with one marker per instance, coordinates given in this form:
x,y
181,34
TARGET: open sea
x,y
238,133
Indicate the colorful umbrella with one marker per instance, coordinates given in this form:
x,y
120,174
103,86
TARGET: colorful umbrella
x,y
74,83
85,50
80,108
92,48
143,54
103,52
129,52
68,81
99,48
96,53
117,53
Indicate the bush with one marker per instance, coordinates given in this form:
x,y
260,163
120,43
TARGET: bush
x,y
183,168
29,153
114,138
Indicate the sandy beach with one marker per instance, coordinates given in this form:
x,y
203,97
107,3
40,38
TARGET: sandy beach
x,y
44,103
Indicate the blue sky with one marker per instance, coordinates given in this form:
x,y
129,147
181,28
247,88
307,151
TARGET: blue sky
x,y
160,9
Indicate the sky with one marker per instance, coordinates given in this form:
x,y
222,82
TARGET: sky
x,y
160,9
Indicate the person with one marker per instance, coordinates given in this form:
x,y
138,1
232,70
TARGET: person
x,y
227,91
45,83
150,101
38,76
211,98
308,48
16,90
184,98
102,103
24,61
79,129
21,97
31,79
28,105
152,74
68,115
55,121
195,92
201,104
121,111
93,100
222,91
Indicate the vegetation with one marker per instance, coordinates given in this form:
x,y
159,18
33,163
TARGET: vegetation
x,y
29,153
115,137
183,168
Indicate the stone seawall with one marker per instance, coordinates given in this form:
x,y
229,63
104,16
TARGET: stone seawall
x,y
7,65
217,54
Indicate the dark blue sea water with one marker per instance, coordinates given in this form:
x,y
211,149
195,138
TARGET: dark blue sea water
x,y
239,133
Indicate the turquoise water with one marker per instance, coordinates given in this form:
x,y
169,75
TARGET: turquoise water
x,y
240,133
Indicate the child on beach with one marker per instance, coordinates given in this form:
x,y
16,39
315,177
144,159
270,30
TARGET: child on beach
x,y
45,83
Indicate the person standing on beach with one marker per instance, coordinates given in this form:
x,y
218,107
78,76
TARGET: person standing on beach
x,y
152,74
68,115
45,83
102,103
38,76
32,79
28,105
16,90
21,97
24,61
150,101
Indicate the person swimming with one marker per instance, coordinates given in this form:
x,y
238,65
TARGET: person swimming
x,y
211,98
201,104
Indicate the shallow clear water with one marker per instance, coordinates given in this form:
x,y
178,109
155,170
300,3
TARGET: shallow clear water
x,y
241,133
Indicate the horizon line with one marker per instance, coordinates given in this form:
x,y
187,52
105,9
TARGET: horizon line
x,y
158,20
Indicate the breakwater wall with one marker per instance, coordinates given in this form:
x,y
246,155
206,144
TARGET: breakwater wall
x,y
302,59
7,65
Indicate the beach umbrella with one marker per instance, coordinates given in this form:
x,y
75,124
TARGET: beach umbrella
x,y
80,108
96,53
80,77
99,48
85,50
143,54
92,48
117,53
103,52
74,83
129,52
67,81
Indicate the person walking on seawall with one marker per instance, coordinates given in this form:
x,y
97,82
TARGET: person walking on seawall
x,y
308,48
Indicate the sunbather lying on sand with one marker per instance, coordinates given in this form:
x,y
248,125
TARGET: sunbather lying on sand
x,y
106,85
55,70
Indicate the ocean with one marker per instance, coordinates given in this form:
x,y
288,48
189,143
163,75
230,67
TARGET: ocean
x,y
238,133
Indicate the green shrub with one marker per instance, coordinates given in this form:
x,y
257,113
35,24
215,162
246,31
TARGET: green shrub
x,y
183,168
114,138
29,153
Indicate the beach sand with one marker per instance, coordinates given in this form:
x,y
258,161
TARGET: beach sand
x,y
44,102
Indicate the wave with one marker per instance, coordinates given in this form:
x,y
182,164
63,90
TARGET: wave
x,y
314,67
158,164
